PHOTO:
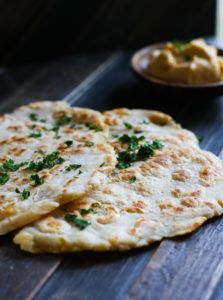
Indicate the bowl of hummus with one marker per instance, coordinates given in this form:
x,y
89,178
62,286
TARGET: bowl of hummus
x,y
194,66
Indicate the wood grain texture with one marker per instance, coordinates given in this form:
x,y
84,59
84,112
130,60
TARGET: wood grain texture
x,y
22,274
189,267
182,268
92,276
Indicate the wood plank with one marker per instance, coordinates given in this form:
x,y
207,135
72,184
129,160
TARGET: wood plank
x,y
23,274
108,275
189,267
55,81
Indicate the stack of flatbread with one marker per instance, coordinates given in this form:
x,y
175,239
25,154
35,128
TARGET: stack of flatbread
x,y
76,179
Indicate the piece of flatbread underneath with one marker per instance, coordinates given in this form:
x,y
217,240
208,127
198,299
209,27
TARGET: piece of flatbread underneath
x,y
61,145
170,194
152,124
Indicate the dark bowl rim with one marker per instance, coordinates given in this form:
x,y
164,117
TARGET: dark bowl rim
x,y
138,70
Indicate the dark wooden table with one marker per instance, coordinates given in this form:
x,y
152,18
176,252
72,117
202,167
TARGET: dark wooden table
x,y
186,268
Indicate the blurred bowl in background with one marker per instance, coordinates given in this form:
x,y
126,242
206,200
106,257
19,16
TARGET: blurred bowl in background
x,y
139,63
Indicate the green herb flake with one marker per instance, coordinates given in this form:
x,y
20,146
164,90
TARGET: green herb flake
x,y
145,121
17,191
85,211
4,177
132,141
138,131
128,125
132,179
25,194
72,167
37,180
40,151
89,144
34,117
64,120
78,222
69,143
92,126
179,45
136,151
10,166
36,134
47,162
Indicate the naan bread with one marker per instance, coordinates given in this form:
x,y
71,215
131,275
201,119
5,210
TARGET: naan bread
x,y
152,124
171,193
48,153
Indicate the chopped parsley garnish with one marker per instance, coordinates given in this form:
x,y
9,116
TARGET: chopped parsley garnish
x,y
37,180
34,117
102,165
56,128
128,125
92,126
157,145
47,162
85,211
69,143
138,131
25,193
132,179
64,120
179,45
78,222
36,134
40,151
89,144
133,140
72,167
10,166
17,191
136,151
4,177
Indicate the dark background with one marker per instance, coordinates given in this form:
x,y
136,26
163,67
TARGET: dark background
x,y
34,30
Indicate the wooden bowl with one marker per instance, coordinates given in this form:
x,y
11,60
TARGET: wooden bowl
x,y
139,64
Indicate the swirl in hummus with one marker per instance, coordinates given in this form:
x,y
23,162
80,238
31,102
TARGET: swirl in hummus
x,y
192,63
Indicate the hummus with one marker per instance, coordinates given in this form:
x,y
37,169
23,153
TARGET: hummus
x,y
191,63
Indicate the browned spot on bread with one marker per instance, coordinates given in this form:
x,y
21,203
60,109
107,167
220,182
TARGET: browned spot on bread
x,y
71,181
15,139
160,118
110,119
7,211
34,105
53,225
15,127
189,202
133,210
4,158
68,130
166,205
17,151
122,111
181,175
140,204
